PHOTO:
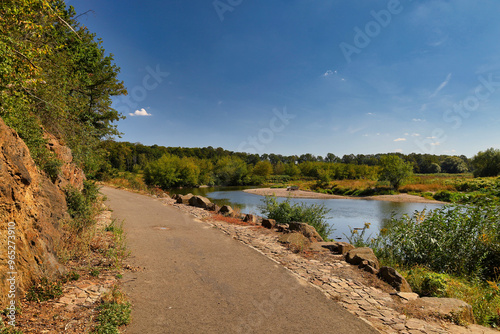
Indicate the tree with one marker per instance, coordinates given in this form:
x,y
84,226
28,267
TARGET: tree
x,y
454,165
486,163
263,169
395,170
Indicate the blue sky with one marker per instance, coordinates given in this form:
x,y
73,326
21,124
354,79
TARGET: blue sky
x,y
301,76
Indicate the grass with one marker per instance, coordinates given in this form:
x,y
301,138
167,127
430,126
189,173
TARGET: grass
x,y
113,313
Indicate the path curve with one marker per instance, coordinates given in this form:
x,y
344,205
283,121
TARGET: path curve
x,y
198,280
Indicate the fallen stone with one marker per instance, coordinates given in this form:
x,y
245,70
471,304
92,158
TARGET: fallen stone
x,y
269,223
184,199
295,240
226,210
391,276
447,308
356,256
282,228
213,207
249,218
407,295
307,230
199,202
370,269
337,247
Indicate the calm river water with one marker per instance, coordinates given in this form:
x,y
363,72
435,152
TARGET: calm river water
x,y
344,213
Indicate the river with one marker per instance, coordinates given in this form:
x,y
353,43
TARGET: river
x,y
344,213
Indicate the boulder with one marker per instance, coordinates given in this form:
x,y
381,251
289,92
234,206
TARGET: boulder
x,y
307,230
356,256
199,202
226,210
391,276
213,207
448,308
184,199
296,241
338,247
283,228
249,218
269,223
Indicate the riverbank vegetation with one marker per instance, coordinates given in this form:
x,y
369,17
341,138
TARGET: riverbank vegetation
x,y
284,212
444,178
449,252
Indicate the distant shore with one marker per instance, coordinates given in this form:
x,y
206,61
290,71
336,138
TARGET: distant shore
x,y
282,192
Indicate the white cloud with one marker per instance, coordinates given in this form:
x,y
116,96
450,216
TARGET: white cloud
x,y
370,114
399,150
418,120
442,85
400,139
329,72
141,112
415,134
436,144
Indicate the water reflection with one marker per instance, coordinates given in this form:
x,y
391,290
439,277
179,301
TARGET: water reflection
x,y
344,213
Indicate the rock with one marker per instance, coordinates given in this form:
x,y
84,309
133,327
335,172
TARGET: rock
x,y
296,241
391,276
407,296
226,210
249,218
37,205
449,308
199,202
70,174
282,228
370,269
269,223
307,230
165,195
184,199
213,207
357,255
317,247
338,247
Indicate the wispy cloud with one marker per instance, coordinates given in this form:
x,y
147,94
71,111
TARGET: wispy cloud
x,y
400,139
329,72
418,120
141,112
442,85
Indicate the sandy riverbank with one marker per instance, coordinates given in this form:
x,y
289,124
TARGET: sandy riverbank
x,y
282,192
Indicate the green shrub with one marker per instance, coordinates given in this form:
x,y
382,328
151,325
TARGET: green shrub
x,y
285,212
115,314
459,240
44,290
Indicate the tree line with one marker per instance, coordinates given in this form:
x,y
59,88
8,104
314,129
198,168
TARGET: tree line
x,y
177,166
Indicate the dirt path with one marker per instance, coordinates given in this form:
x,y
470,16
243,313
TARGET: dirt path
x,y
198,280
282,192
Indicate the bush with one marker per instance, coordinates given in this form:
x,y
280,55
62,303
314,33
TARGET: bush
x,y
44,290
285,212
458,240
